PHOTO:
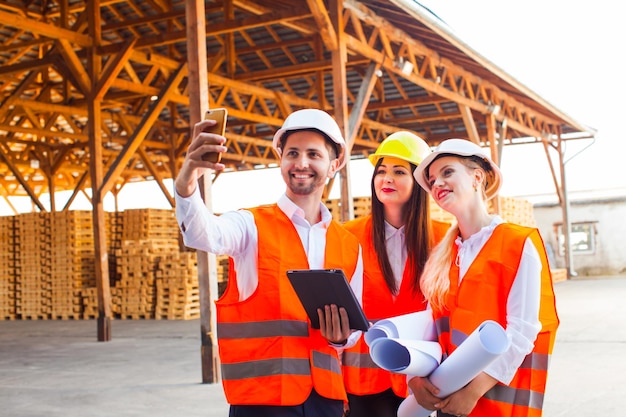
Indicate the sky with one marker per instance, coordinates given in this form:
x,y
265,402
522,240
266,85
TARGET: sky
x,y
569,52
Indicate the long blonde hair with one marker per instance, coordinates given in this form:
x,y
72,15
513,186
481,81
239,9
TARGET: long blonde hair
x,y
435,281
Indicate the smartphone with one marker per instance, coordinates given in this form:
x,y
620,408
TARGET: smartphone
x,y
219,115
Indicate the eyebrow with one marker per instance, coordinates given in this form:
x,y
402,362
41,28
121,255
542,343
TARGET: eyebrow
x,y
429,170
395,165
306,149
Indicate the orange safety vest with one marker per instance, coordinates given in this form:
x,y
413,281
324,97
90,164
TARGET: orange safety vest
x,y
269,353
361,375
483,295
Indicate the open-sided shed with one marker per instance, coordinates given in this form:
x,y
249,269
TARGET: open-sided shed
x,y
97,94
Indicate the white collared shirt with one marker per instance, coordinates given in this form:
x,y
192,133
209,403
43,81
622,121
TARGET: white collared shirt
x,y
522,318
395,243
234,233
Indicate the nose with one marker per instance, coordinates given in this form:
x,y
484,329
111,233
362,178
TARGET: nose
x,y
302,162
437,182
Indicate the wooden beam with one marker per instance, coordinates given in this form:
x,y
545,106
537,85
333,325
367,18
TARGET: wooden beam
x,y
31,65
78,187
501,138
94,127
361,104
340,92
48,107
113,67
207,263
285,72
73,63
470,125
257,9
490,121
142,129
157,177
4,155
39,28
326,29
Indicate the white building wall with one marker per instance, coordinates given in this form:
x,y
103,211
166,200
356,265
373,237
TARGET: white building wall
x,y
609,218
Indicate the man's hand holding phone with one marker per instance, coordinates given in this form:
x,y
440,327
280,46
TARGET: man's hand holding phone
x,y
204,152
219,128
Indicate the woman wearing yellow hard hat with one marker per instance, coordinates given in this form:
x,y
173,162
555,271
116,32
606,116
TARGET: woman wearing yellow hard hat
x,y
396,238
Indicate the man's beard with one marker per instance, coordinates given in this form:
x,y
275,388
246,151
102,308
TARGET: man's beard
x,y
298,188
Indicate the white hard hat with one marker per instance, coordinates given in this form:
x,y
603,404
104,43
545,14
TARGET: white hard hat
x,y
313,119
460,147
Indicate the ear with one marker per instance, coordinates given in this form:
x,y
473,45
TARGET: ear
x,y
479,176
332,170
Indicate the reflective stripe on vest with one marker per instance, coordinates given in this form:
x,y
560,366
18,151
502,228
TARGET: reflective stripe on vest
x,y
262,329
520,397
269,354
265,367
278,366
326,362
491,276
359,360
508,394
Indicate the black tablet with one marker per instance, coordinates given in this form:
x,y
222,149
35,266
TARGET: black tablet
x,y
319,287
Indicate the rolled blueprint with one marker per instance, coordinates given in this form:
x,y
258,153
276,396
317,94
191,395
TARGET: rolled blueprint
x,y
482,347
410,357
413,326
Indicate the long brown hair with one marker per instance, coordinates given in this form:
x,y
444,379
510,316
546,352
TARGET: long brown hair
x,y
418,233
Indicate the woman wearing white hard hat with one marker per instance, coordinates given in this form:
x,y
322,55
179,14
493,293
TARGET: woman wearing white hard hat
x,y
396,238
486,269
273,362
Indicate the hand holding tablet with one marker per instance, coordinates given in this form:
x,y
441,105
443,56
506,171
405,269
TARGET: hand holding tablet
x,y
317,288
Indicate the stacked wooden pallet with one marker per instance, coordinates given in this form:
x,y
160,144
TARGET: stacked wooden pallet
x,y
114,222
47,262
559,274
7,268
72,263
177,291
135,293
361,207
437,213
148,236
89,302
334,206
33,266
517,210
513,210
223,266
142,224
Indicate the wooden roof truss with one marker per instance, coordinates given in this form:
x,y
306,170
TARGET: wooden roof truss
x,y
265,59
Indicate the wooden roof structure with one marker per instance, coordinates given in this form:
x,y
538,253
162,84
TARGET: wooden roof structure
x,y
97,94
265,58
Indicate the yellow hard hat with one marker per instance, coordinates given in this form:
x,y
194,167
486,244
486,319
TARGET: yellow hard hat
x,y
404,145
